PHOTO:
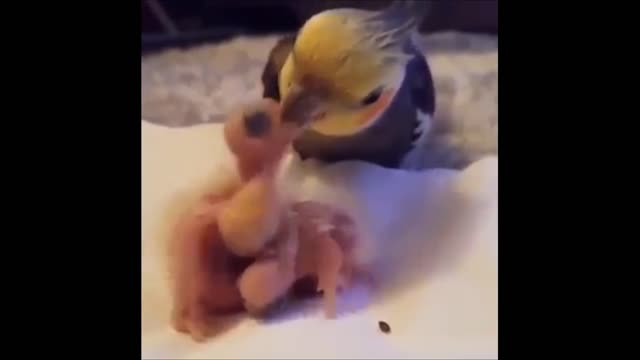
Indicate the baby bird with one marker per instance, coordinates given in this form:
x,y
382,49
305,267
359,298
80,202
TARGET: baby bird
x,y
216,238
259,141
291,241
244,244
203,271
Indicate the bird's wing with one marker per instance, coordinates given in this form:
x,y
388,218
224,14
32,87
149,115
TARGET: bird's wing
x,y
277,57
423,97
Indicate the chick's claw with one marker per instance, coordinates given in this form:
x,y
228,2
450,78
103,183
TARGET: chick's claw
x,y
329,264
189,321
330,298
179,320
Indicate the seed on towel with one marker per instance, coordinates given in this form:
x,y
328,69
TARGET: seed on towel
x,y
384,327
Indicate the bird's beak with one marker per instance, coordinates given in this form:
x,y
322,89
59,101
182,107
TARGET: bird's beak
x,y
302,106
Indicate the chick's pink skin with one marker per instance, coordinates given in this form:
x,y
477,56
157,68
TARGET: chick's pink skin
x,y
238,218
251,217
203,281
255,155
263,283
325,237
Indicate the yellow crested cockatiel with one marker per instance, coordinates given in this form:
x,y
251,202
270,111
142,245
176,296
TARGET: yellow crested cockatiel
x,y
361,83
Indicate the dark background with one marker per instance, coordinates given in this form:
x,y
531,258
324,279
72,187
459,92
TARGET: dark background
x,y
188,22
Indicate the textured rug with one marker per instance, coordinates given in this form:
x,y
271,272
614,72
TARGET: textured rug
x,y
201,84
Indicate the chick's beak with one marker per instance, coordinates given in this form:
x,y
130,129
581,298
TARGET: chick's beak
x,y
301,106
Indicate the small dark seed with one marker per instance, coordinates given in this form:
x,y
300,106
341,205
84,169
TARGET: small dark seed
x,y
384,327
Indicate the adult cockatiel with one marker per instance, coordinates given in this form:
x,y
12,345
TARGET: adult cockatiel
x,y
360,80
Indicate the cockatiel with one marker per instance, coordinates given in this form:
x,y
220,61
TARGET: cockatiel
x,y
360,81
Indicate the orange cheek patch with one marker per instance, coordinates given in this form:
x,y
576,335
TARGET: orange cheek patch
x,y
375,109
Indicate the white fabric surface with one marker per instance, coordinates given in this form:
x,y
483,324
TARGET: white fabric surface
x,y
435,233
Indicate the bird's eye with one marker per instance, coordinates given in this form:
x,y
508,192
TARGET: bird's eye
x,y
257,124
372,97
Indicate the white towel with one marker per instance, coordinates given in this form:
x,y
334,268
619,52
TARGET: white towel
x,y
434,237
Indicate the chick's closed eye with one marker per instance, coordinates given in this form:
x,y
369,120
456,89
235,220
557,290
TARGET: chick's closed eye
x,y
257,124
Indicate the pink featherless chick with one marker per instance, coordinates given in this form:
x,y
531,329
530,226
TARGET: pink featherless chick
x,y
259,141
213,238
291,241
244,244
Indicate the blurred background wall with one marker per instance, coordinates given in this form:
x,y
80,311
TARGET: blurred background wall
x,y
187,22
